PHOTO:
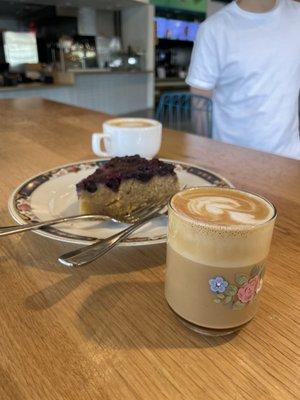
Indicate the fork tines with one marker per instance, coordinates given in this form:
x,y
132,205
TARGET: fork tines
x,y
145,209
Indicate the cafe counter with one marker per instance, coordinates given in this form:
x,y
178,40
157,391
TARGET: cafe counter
x,y
116,92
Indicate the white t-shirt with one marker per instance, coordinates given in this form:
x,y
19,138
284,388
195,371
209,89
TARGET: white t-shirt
x,y
252,61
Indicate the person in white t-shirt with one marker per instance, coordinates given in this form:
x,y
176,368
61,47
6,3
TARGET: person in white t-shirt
x,y
247,58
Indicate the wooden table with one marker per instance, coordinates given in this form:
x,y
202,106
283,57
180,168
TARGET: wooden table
x,y
105,331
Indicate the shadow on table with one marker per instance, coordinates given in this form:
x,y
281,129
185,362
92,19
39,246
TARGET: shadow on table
x,y
131,315
122,314
36,251
118,262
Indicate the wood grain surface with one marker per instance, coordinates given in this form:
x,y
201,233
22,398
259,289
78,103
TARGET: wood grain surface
x,y
105,331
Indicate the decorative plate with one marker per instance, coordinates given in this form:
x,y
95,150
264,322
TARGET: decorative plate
x,y
52,194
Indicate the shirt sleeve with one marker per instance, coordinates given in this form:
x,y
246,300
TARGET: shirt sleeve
x,y
204,66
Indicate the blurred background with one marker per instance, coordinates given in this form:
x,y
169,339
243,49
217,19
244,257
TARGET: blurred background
x,y
114,56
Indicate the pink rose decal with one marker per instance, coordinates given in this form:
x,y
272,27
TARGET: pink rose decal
x,y
248,290
254,281
239,293
73,168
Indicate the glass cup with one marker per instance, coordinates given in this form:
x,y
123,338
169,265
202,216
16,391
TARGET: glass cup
x,y
215,271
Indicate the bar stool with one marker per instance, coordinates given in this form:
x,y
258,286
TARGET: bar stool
x,y
186,111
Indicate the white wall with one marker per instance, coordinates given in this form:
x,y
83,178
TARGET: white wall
x,y
87,21
105,23
138,32
95,22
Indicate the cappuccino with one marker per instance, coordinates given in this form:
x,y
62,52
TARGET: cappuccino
x,y
127,137
230,208
218,240
131,123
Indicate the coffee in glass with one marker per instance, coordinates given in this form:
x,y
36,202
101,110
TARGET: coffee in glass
x,y
218,240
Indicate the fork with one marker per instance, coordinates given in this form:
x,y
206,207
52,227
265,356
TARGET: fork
x,y
85,255
10,230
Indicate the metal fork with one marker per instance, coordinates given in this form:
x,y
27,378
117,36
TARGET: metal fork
x,y
90,253
10,230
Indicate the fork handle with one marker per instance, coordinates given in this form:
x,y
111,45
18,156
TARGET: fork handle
x,y
85,255
10,230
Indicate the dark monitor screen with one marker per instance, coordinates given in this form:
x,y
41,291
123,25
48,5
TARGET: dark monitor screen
x,y
176,29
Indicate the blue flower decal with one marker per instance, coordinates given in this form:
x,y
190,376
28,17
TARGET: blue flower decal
x,y
218,284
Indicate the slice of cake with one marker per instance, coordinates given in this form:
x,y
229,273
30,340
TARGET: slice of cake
x,y
125,183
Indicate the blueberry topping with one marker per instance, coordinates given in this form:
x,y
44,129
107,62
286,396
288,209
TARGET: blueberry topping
x,y
91,186
113,172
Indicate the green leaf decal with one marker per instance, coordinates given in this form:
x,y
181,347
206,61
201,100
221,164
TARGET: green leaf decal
x,y
218,301
238,305
231,290
227,299
255,270
241,279
221,296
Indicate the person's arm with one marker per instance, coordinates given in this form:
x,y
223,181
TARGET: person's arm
x,y
202,92
199,116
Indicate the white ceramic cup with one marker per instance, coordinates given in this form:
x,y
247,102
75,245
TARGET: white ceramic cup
x,y
127,137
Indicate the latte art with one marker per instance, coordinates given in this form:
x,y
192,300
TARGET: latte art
x,y
222,206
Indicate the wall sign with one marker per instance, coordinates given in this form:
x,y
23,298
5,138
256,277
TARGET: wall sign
x,y
20,48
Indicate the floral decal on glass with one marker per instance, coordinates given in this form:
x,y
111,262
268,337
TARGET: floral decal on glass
x,y
218,284
239,293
